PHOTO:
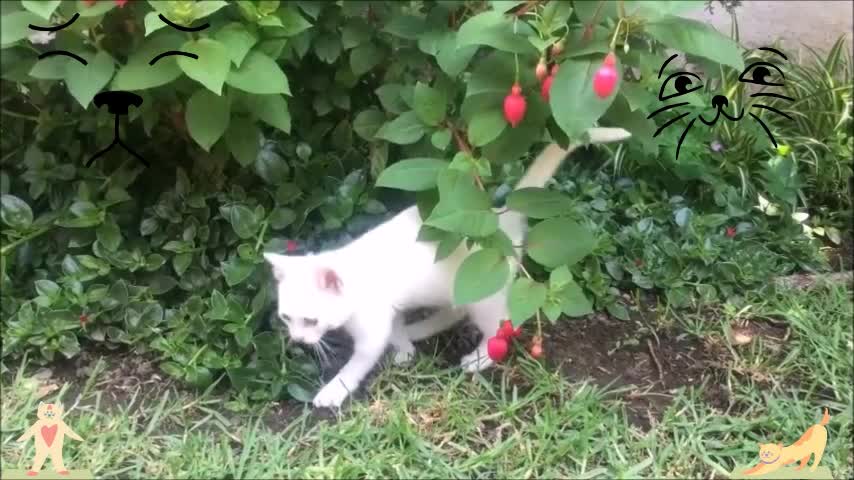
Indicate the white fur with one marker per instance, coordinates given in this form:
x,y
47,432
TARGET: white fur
x,y
387,271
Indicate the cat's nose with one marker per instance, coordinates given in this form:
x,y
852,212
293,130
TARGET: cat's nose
x,y
719,101
117,101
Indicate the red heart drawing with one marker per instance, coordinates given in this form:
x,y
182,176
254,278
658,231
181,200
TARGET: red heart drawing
x,y
49,433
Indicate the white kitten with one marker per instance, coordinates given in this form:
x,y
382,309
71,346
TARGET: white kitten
x,y
363,286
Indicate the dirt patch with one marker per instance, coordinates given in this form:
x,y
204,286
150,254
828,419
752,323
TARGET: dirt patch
x,y
841,257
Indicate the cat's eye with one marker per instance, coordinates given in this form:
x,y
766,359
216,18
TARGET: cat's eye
x,y
759,74
310,322
682,83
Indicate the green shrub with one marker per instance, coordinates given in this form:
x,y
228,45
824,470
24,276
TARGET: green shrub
x,y
278,131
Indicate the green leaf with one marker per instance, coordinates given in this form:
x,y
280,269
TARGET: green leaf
x,y
573,301
237,40
327,47
368,122
259,74
242,140
272,110
207,117
526,297
389,95
441,139
559,278
539,202
153,22
463,208
109,235
409,27
270,166
212,66
181,262
292,22
618,310
281,217
559,241
236,270
696,38
47,288
365,57
138,74
117,296
15,212
486,126
413,174
355,33
403,130
84,81
574,104
204,8
430,104
496,30
451,58
15,26
42,8
243,221
481,274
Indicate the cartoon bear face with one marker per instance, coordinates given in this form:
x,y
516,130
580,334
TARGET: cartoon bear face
x,y
50,411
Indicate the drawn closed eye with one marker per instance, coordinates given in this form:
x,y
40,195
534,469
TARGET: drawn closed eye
x,y
759,74
682,83
173,52
54,53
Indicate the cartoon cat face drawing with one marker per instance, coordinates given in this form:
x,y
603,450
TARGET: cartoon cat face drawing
x,y
761,73
117,101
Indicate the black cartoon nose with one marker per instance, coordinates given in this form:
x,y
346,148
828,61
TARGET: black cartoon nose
x,y
117,101
719,101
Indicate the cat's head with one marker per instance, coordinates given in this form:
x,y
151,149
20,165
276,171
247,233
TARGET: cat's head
x,y
49,411
310,296
769,452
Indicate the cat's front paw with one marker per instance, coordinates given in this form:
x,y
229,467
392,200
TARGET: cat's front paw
x,y
476,361
331,395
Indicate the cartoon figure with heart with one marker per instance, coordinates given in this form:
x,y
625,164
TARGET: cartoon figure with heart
x,y
49,432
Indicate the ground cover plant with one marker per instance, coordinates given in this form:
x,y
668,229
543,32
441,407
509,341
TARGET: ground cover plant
x,y
302,124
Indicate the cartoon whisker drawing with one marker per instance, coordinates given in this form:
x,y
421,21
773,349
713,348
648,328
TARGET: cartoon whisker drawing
x,y
765,127
760,73
668,107
766,107
775,95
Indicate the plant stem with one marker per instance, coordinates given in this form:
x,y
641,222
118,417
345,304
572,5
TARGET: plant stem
x,y
23,116
261,236
10,247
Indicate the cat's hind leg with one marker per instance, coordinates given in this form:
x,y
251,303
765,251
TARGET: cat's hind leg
x,y
487,315
803,462
437,322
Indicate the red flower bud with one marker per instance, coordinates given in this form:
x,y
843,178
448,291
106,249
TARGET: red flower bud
x,y
514,106
542,70
84,319
545,89
292,245
507,332
730,232
605,78
497,348
557,48
121,3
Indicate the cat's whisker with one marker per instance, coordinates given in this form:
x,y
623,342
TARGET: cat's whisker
x,y
774,95
665,108
766,107
765,127
669,122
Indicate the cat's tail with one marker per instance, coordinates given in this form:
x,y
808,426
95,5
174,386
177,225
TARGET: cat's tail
x,y
549,160
826,418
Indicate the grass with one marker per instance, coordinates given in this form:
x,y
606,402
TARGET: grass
x,y
524,420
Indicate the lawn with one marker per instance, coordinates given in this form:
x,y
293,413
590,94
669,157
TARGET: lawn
x,y
561,418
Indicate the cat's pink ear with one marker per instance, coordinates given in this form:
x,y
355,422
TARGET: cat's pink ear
x,y
329,281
